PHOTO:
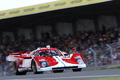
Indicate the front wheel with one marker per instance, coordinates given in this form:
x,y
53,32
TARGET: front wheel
x,y
15,68
76,70
35,69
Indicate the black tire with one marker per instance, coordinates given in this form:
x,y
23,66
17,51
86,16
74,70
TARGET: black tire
x,y
58,71
76,70
15,68
33,66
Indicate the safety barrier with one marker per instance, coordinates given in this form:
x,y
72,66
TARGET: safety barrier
x,y
104,54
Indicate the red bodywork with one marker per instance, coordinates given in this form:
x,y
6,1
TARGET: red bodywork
x,y
59,59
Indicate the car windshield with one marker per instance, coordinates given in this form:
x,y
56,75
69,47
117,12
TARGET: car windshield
x,y
50,53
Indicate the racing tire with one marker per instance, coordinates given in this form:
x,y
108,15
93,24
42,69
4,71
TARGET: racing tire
x,y
34,69
76,70
58,71
15,68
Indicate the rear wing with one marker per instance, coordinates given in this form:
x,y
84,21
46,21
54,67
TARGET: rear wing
x,y
17,55
14,56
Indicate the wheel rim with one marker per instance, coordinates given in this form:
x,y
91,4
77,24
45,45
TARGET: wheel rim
x,y
34,68
14,68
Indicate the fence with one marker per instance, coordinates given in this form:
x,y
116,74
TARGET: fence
x,y
105,54
6,69
1,71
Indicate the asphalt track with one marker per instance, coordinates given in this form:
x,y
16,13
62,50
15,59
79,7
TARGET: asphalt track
x,y
66,75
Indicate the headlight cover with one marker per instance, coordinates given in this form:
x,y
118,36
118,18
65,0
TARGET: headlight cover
x,y
44,64
80,61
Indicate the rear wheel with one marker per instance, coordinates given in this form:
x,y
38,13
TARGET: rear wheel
x,y
35,69
58,71
76,70
15,68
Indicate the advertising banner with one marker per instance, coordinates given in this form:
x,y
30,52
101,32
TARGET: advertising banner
x,y
14,8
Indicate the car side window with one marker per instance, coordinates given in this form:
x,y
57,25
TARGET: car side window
x,y
36,53
42,54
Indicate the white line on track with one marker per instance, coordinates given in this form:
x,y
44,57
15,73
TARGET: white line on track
x,y
70,77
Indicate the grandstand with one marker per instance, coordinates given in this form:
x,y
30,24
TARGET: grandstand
x,y
81,26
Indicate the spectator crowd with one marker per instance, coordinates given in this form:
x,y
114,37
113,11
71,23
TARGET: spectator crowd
x,y
81,40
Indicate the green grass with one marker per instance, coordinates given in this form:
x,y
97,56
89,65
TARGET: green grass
x,y
116,67
110,78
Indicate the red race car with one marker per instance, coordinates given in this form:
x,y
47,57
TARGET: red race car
x,y
45,59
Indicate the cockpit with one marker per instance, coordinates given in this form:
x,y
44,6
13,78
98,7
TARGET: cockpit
x,y
49,53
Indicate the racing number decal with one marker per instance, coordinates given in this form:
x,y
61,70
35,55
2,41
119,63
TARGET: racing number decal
x,y
60,61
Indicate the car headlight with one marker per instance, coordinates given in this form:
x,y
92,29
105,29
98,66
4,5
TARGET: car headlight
x,y
80,61
44,64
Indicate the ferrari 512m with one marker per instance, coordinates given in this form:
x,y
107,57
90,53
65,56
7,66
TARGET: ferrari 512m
x,y
46,59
